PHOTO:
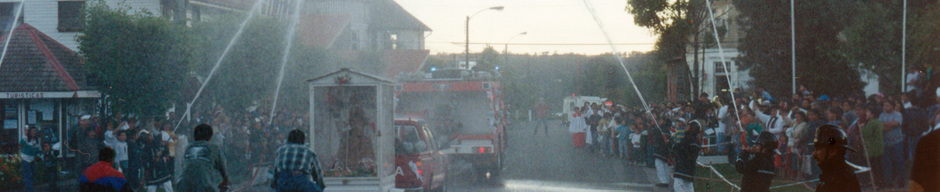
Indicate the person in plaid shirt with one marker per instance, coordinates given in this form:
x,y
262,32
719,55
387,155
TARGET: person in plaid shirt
x,y
296,167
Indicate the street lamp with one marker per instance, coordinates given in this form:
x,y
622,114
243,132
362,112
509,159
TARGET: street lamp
x,y
506,47
467,45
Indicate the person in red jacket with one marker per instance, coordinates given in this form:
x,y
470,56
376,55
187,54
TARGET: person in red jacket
x,y
102,177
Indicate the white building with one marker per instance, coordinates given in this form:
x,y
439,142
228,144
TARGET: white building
x,y
714,78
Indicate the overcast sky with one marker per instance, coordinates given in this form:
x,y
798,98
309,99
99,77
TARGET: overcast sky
x,y
546,21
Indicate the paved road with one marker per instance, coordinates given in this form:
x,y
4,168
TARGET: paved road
x,y
551,163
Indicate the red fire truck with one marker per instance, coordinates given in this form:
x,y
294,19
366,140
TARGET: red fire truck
x,y
467,108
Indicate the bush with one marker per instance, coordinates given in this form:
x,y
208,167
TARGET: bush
x,y
10,172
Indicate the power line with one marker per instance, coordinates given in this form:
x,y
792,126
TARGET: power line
x,y
542,44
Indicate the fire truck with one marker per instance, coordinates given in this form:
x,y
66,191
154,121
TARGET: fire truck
x,y
466,109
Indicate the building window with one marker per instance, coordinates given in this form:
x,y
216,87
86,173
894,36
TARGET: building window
x,y
720,69
70,16
394,40
353,40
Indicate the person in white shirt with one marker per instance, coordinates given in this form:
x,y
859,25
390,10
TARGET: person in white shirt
x,y
109,136
773,122
120,151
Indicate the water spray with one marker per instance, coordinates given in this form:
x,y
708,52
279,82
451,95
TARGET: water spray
x,y
12,26
231,43
619,59
721,54
289,41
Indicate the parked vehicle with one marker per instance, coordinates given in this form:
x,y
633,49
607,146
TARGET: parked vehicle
x,y
420,165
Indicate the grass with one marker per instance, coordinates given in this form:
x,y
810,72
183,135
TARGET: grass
x,y
714,183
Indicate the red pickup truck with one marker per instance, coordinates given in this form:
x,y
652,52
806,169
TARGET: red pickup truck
x,y
419,164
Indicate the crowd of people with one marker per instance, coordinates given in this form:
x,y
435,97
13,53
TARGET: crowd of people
x,y
882,130
146,149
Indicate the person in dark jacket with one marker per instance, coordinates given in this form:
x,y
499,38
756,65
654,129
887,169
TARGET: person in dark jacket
x,y
658,148
155,160
837,174
757,164
686,151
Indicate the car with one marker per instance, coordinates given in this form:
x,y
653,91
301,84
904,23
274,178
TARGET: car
x,y
420,165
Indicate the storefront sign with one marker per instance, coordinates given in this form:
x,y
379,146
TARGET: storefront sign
x,y
49,95
23,95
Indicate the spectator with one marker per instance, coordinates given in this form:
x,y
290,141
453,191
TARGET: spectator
x,y
120,150
623,137
102,176
603,132
88,148
834,117
541,112
701,106
296,167
577,127
772,122
28,151
893,158
849,116
50,162
872,137
201,158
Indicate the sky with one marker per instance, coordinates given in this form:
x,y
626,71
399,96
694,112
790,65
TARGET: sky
x,y
551,26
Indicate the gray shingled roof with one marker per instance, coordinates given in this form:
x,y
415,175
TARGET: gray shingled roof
x,y
35,62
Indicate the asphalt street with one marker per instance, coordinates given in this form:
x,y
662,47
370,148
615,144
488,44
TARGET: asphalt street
x,y
550,163
540,162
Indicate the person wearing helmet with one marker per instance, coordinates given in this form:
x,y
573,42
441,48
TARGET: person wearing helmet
x,y
686,151
830,148
757,164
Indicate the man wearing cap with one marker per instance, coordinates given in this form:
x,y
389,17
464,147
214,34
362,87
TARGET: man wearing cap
x,y
757,164
837,175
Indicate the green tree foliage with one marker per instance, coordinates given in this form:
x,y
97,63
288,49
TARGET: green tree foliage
x,y
139,59
489,59
877,50
877,28
766,45
679,24
923,44
606,78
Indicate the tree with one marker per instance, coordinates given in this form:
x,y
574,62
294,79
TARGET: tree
x,y
140,60
489,58
766,45
877,50
677,22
